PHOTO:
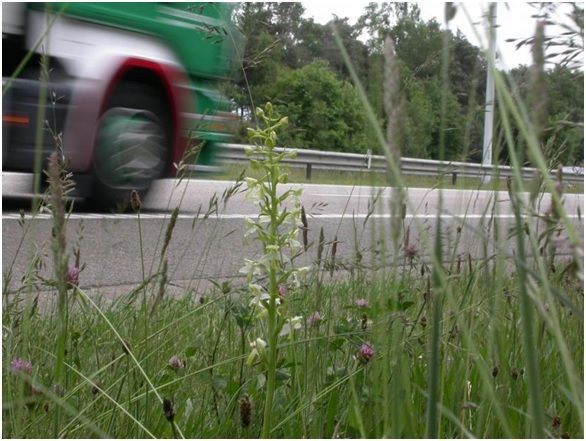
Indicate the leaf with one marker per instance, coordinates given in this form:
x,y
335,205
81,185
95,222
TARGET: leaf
x,y
190,351
342,328
336,344
403,306
232,388
282,375
219,383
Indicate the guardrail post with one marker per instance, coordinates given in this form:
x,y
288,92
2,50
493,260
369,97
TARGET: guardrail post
x,y
368,158
454,178
308,171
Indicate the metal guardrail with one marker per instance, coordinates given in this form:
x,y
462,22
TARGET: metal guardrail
x,y
321,160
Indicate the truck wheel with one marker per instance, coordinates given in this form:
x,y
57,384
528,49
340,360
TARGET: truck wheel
x,y
132,145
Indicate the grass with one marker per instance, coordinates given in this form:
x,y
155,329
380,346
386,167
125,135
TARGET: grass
x,y
331,177
323,391
449,348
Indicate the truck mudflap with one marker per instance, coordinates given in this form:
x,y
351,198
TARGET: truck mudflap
x,y
20,122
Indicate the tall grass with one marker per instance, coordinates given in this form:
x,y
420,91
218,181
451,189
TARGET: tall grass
x,y
415,340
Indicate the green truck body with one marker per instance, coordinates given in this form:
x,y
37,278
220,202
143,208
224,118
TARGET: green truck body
x,y
165,61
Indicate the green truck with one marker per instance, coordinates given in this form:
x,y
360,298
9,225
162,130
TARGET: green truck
x,y
121,89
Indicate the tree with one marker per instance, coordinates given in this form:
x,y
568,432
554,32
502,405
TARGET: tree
x,y
324,111
357,50
565,122
418,45
563,139
297,64
270,31
379,18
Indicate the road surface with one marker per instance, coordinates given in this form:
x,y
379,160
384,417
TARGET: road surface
x,y
212,247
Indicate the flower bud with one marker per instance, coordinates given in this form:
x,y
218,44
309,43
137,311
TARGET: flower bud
x,y
362,303
18,366
365,353
176,363
73,275
314,319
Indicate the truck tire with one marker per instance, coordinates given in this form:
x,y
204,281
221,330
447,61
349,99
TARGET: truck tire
x,y
133,144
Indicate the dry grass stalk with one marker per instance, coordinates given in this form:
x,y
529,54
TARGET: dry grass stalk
x,y
394,108
320,246
305,228
537,86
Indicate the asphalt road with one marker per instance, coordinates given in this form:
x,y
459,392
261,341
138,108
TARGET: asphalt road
x,y
212,247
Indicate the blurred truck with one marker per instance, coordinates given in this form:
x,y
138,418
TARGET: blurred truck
x,y
121,89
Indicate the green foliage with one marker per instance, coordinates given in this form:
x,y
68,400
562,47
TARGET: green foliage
x,y
295,63
379,18
324,111
419,46
563,90
422,119
315,399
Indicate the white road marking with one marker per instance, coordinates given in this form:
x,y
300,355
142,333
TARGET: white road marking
x,y
151,216
354,188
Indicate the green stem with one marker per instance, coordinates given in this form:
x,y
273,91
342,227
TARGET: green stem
x,y
272,312
144,305
528,326
271,371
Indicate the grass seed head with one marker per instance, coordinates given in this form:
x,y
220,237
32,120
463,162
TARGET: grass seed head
x,y
245,411
320,246
334,247
556,422
495,371
168,410
126,347
364,323
135,201
305,228
96,386
170,228
427,292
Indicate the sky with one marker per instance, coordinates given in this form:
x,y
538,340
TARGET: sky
x,y
513,21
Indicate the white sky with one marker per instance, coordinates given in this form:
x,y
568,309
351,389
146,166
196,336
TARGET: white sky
x,y
513,20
